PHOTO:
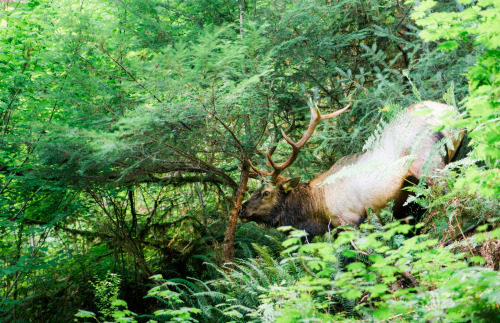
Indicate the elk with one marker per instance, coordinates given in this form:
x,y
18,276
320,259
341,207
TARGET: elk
x,y
356,183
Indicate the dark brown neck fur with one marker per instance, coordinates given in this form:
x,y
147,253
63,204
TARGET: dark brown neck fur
x,y
304,209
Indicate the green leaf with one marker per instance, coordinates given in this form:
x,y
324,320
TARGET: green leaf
x,y
448,45
382,313
85,314
495,234
483,227
356,266
316,265
377,290
119,302
118,314
478,260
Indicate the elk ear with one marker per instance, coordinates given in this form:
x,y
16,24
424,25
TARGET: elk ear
x,y
290,184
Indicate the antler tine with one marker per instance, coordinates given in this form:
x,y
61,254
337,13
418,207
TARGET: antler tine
x,y
270,159
336,113
316,118
258,171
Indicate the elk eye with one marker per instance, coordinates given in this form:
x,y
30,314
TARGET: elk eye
x,y
266,193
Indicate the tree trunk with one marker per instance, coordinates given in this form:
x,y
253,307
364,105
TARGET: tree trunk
x,y
228,247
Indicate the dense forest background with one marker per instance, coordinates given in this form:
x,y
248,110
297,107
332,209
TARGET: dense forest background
x,y
127,128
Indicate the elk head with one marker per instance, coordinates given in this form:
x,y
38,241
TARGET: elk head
x,y
267,203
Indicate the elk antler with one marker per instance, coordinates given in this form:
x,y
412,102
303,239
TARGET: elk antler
x,y
316,118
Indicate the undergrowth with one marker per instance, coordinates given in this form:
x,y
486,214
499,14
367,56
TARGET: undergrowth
x,y
356,277
373,273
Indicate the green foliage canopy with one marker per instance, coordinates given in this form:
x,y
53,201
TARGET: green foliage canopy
x,y
476,27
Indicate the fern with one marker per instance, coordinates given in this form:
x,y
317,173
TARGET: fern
x,y
217,296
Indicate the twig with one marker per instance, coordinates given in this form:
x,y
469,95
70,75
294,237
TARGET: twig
x,y
399,315
307,269
468,245
361,252
469,229
23,207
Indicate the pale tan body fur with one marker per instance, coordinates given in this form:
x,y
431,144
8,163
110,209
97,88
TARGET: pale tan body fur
x,y
384,168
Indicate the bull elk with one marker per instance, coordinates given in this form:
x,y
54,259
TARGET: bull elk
x,y
357,183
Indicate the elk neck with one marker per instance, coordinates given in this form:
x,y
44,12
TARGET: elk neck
x,y
304,208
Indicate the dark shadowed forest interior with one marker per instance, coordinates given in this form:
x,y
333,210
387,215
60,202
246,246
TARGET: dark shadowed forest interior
x,y
133,131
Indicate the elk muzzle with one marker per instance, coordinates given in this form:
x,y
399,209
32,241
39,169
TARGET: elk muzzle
x,y
242,214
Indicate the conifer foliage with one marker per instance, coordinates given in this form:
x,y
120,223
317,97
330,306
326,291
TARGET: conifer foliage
x,y
127,132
